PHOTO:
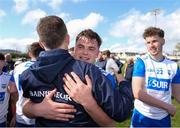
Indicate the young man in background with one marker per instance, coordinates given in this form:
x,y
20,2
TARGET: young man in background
x,y
155,79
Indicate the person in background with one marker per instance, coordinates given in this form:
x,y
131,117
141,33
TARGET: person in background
x,y
16,90
129,69
4,94
155,79
111,65
100,62
9,65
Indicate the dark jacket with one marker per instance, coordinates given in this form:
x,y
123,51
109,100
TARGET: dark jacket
x,y
47,73
129,72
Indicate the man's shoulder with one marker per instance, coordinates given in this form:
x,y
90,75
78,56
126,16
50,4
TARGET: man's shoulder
x,y
23,66
87,68
6,74
84,64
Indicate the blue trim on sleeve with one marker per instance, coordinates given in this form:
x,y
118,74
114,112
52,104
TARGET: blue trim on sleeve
x,y
12,77
139,68
176,79
109,76
112,79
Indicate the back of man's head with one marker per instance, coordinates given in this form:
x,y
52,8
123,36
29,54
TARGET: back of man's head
x,y
52,31
34,49
153,31
90,34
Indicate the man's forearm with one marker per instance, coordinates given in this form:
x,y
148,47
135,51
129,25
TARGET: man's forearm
x,y
98,115
148,99
30,109
175,92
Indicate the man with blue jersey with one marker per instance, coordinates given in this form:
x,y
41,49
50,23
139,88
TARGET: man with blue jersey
x,y
4,95
56,52
15,88
155,79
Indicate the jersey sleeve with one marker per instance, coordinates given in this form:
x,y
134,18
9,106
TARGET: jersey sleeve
x,y
176,78
139,68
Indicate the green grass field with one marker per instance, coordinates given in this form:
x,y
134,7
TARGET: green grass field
x,y
175,119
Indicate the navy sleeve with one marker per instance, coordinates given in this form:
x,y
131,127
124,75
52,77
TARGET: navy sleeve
x,y
23,80
115,102
139,68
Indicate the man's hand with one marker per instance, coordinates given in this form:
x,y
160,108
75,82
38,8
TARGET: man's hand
x,y
171,109
49,109
77,90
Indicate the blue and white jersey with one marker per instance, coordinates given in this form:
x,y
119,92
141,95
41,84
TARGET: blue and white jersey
x,y
20,117
4,96
158,79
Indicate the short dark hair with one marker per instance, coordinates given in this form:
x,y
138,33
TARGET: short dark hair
x,y
107,53
52,31
152,31
90,34
35,49
2,56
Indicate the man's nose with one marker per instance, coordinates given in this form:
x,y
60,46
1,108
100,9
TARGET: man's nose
x,y
85,52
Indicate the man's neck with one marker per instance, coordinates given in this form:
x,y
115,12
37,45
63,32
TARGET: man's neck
x,y
158,57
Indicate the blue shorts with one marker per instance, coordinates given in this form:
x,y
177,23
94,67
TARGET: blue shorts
x,y
139,120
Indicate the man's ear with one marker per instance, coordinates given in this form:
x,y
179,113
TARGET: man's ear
x,y
67,39
30,54
163,42
42,44
97,54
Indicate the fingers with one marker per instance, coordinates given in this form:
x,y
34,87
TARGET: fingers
x,y
68,91
65,111
62,112
51,94
65,106
77,79
63,117
88,80
69,82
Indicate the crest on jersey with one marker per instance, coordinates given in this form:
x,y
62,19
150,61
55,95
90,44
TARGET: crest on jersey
x,y
3,86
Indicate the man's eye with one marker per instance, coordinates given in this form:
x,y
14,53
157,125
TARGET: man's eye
x,y
92,49
79,46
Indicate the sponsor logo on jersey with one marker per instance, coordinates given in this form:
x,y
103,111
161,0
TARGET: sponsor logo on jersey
x,y
150,70
58,95
158,84
3,86
169,72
